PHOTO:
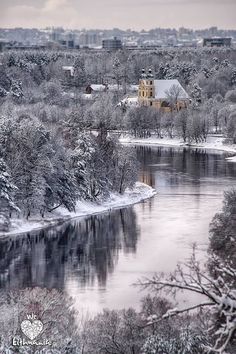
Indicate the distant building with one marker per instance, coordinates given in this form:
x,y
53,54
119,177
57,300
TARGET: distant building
x,y
20,46
65,39
96,88
3,44
68,71
112,44
166,95
216,42
70,44
90,39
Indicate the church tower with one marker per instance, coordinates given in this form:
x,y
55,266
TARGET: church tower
x,y
146,88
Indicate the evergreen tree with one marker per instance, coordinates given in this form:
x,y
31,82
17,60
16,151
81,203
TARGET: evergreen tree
x,y
6,196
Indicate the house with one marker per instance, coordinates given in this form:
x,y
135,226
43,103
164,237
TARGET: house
x,y
68,71
166,95
96,88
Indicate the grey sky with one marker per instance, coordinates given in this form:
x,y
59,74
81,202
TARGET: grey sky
x,y
134,14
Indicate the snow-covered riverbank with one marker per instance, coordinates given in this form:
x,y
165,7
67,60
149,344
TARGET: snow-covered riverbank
x,y
140,192
231,159
214,142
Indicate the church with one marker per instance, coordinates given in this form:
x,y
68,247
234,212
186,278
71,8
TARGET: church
x,y
165,95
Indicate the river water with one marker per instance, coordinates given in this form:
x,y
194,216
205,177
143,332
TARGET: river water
x,y
98,258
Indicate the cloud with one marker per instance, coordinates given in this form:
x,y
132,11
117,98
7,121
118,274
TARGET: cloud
x,y
52,5
156,3
135,14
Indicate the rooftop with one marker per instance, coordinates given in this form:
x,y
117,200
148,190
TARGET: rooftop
x,y
162,86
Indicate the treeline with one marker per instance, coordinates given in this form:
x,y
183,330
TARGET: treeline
x,y
215,66
44,166
211,86
215,115
208,75
49,156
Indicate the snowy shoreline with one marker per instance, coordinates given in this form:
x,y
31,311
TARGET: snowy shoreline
x,y
214,142
139,193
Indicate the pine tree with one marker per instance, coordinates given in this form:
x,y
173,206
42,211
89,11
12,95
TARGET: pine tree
x,y
6,197
80,76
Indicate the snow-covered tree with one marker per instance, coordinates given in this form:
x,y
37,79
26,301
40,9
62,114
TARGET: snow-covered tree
x,y
196,94
7,204
52,92
16,89
185,341
231,127
181,124
3,92
82,165
173,95
218,298
123,169
101,113
114,332
80,75
52,308
231,96
222,230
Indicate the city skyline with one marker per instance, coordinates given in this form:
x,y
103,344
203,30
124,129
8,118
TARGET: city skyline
x,y
76,14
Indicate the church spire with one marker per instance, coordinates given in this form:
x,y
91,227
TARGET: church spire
x,y
143,75
150,75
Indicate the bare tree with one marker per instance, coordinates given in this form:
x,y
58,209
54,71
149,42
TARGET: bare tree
x,y
218,296
173,95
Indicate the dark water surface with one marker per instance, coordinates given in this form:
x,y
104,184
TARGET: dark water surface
x,y
98,258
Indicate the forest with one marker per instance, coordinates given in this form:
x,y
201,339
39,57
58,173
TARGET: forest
x,y
49,153
58,147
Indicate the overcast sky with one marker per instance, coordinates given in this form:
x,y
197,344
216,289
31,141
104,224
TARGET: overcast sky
x,y
134,14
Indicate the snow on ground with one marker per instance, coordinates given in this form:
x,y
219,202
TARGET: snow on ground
x,y
214,142
129,101
140,192
231,159
151,141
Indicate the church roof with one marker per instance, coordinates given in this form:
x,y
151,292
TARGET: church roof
x,y
162,86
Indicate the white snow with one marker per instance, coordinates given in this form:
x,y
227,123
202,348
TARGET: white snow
x,y
87,96
231,159
69,68
133,87
214,142
140,192
129,101
98,87
151,141
162,86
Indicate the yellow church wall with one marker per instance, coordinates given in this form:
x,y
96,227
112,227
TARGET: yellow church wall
x,y
146,97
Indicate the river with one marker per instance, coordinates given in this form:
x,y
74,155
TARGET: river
x,y
96,259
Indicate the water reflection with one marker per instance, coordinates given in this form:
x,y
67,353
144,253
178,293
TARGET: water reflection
x,y
86,249
96,259
182,165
